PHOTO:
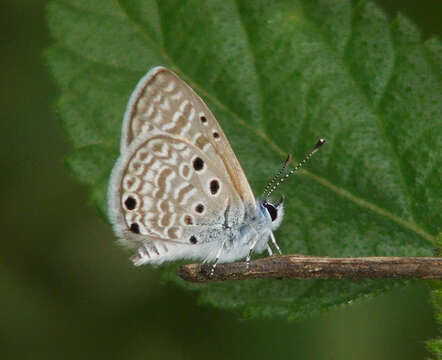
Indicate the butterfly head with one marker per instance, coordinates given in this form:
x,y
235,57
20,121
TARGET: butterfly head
x,y
275,209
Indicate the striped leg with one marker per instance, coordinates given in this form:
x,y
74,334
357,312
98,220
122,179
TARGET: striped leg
x,y
275,243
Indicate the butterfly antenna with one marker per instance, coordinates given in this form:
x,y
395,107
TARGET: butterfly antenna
x,y
296,168
278,174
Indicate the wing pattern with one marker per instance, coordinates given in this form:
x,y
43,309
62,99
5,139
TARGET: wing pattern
x,y
163,101
177,185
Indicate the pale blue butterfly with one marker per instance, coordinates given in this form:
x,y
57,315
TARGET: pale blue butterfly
x,y
177,190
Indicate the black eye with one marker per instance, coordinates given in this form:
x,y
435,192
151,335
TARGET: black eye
x,y
272,211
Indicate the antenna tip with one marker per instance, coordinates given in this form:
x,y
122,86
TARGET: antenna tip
x,y
319,144
288,160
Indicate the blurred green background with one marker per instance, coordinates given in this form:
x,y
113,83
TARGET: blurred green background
x,y
67,291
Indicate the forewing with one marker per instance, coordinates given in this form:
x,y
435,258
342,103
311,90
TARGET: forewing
x,y
165,189
162,101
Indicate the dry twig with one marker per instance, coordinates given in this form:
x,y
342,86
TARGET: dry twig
x,y
314,267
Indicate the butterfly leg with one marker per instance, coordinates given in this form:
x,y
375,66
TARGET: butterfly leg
x,y
249,256
269,250
275,243
218,255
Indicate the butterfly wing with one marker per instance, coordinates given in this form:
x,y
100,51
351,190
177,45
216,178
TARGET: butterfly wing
x,y
170,200
162,101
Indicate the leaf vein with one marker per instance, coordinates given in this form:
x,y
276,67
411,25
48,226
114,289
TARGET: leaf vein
x,y
380,121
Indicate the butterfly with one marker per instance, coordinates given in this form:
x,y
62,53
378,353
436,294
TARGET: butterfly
x,y
177,191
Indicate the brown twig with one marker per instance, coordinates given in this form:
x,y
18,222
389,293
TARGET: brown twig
x,y
314,267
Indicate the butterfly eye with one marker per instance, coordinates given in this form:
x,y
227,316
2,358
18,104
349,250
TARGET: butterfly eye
x,y
273,212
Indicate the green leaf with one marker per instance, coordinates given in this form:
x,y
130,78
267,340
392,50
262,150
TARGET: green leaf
x,y
278,75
